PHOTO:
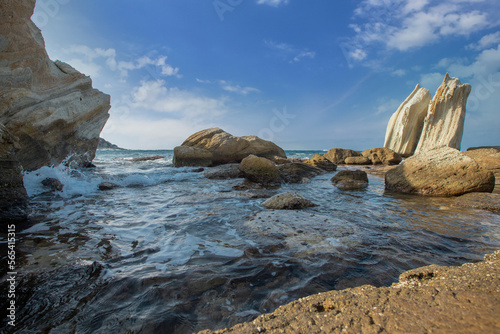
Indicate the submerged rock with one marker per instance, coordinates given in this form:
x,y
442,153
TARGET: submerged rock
x,y
483,201
405,126
443,171
287,201
51,107
461,299
444,123
214,146
350,180
150,158
53,184
108,186
223,172
338,155
260,170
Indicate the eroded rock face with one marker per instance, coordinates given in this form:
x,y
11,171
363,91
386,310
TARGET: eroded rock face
x,y
382,156
215,147
13,196
444,123
443,171
49,106
405,126
321,162
338,155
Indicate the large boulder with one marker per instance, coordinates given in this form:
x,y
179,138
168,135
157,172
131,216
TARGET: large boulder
x,y
442,171
13,195
382,156
260,170
49,106
321,162
287,201
350,180
444,123
405,126
223,148
338,155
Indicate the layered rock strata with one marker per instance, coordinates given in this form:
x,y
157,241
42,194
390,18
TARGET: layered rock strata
x,y
212,147
432,299
405,126
49,106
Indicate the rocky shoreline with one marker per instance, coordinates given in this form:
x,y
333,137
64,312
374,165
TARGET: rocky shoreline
x,y
431,299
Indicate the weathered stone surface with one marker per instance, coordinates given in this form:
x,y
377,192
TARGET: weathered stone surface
x,y
483,201
382,156
350,179
444,123
296,172
488,158
260,170
338,155
321,162
443,171
405,126
287,201
13,195
357,161
185,156
223,172
430,299
49,106
225,148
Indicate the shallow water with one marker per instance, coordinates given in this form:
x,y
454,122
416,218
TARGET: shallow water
x,y
173,252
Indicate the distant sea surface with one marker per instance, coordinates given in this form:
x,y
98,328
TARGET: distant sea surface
x,y
171,251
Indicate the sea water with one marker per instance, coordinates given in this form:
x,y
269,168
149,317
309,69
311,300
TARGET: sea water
x,y
170,251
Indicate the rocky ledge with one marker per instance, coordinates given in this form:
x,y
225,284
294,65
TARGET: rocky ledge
x,y
432,299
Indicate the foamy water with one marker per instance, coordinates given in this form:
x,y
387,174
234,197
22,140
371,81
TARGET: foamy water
x,y
170,251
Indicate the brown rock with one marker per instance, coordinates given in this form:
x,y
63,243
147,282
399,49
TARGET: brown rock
x,y
440,172
224,148
432,299
49,106
338,155
13,195
382,156
287,201
350,179
483,201
185,156
487,158
296,172
321,162
260,170
357,161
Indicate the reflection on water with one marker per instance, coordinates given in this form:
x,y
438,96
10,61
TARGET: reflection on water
x,y
173,252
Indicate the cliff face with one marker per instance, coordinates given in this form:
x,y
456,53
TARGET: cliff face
x,y
49,106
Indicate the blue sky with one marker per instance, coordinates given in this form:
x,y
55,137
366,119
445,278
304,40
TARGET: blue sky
x,y
305,74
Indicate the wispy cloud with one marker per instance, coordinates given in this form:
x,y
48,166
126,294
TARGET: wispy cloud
x,y
291,53
486,41
230,87
273,3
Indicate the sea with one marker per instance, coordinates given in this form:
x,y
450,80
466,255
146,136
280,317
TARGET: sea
x,y
171,251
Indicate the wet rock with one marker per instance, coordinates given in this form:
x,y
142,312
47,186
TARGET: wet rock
x,y
13,195
288,201
461,299
108,186
382,156
321,162
357,161
197,170
260,170
338,155
215,147
53,184
443,171
350,180
296,172
224,172
151,158
483,201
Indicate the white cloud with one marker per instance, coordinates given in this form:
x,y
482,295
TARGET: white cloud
x,y
399,73
486,63
237,88
273,3
156,96
291,53
486,41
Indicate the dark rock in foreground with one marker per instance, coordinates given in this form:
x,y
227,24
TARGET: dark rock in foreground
x,y
297,172
432,299
260,170
350,180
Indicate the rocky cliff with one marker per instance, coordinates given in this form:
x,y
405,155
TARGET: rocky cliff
x,y
49,106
